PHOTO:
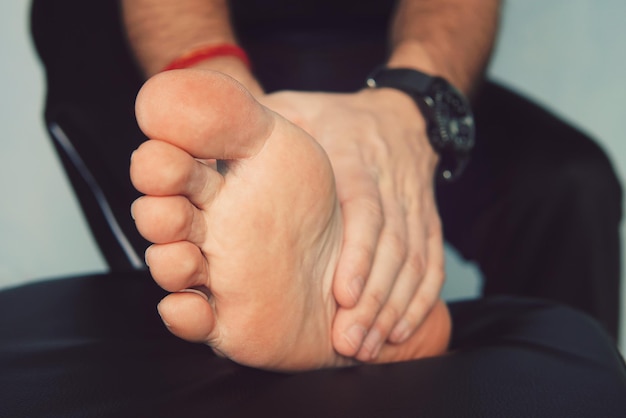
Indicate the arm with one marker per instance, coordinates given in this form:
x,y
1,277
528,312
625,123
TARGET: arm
x,y
161,30
450,38
392,213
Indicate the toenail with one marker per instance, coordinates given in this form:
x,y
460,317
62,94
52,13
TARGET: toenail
x,y
218,353
146,256
167,324
355,288
196,291
355,335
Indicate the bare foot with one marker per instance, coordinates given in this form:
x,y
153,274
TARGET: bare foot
x,y
258,236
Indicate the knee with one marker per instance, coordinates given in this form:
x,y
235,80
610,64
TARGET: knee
x,y
583,176
571,331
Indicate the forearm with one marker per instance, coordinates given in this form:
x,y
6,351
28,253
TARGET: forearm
x,y
160,31
450,38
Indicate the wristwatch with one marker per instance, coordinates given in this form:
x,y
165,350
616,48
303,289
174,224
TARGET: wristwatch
x,y
449,118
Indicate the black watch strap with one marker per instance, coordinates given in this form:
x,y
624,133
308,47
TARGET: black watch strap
x,y
400,78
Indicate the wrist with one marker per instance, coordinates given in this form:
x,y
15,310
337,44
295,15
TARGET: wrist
x,y
419,56
227,58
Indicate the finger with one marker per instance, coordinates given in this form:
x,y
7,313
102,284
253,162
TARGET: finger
x,y
352,325
189,315
427,293
430,339
363,222
187,107
404,289
161,169
162,220
177,266
409,281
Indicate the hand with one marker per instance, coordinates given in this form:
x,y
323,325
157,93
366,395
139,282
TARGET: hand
x,y
391,267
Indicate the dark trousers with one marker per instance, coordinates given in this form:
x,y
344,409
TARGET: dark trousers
x,y
538,208
95,347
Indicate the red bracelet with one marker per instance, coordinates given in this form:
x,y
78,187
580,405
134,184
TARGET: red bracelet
x,y
207,52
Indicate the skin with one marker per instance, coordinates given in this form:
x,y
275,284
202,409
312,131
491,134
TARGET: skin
x,y
259,240
390,269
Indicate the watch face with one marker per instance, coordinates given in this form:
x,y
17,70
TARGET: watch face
x,y
454,124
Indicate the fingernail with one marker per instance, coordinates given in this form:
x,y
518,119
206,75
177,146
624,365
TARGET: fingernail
x,y
373,343
132,207
355,335
401,331
355,288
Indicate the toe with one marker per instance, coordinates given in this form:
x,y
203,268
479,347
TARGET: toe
x,y
189,316
198,111
161,169
163,220
177,266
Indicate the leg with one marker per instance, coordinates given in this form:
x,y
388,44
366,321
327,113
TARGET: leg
x,y
538,209
261,236
65,352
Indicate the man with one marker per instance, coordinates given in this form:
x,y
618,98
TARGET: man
x,y
390,270
393,241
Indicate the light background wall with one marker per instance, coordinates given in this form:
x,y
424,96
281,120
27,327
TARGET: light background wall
x,y
569,55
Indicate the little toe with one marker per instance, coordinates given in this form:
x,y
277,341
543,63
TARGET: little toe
x,y
189,316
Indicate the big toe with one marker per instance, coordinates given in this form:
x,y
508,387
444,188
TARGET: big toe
x,y
208,114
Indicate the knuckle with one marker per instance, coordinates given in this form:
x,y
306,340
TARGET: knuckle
x,y
396,243
362,254
391,313
376,299
422,303
372,208
417,263
381,148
